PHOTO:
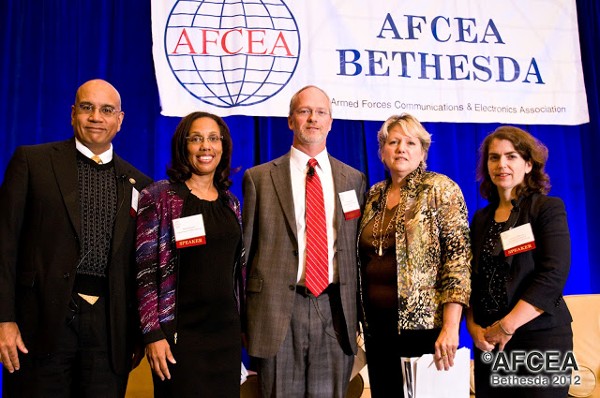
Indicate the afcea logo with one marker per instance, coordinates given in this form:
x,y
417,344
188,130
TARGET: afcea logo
x,y
232,54
532,368
534,361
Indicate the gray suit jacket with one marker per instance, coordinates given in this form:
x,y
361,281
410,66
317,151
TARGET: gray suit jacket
x,y
272,252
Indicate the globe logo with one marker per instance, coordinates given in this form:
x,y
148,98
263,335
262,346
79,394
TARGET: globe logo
x,y
230,54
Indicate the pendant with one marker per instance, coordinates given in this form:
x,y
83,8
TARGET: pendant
x,y
380,251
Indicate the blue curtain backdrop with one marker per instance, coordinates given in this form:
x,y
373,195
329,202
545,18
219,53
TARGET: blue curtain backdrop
x,y
50,47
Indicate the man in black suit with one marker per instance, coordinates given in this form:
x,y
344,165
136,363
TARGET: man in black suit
x,y
68,320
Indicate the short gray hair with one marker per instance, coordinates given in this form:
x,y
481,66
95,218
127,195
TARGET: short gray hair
x,y
295,98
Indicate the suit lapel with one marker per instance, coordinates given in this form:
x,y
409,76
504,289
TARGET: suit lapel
x,y
521,207
64,163
280,174
340,184
486,222
124,192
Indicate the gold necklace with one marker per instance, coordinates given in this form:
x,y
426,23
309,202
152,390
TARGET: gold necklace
x,y
378,224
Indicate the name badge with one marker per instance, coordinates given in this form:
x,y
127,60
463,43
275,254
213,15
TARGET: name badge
x,y
517,240
135,198
350,205
189,231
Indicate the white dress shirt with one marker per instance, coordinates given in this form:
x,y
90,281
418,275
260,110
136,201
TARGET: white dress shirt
x,y
85,151
298,169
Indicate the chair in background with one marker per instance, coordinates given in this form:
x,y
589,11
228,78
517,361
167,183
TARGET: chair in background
x,y
249,389
140,382
585,309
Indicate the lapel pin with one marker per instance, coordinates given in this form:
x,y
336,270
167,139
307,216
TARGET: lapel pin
x,y
132,181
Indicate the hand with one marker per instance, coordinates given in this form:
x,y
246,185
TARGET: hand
x,y
478,335
158,353
10,345
445,348
494,334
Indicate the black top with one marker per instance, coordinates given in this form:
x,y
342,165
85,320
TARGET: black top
x,y
205,288
208,349
490,282
379,272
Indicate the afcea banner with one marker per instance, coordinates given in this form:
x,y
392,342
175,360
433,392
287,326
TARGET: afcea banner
x,y
448,61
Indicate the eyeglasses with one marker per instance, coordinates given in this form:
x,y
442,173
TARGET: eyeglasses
x,y
105,110
306,112
198,139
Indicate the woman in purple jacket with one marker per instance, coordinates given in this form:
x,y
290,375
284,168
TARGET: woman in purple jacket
x,y
190,266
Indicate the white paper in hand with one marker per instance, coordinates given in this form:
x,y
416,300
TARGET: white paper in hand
x,y
423,380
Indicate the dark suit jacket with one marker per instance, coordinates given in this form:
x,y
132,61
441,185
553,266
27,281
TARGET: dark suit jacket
x,y
537,276
272,252
40,225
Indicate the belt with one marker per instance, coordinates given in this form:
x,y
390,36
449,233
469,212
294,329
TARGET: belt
x,y
305,292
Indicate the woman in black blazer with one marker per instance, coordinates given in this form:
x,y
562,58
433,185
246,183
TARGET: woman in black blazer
x,y
521,260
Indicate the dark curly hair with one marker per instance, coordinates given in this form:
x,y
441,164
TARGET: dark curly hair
x,y
181,169
530,149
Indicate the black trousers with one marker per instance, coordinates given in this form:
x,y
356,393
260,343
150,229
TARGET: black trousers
x,y
555,339
80,366
384,348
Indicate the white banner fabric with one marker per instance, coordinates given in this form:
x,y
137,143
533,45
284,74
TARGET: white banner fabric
x,y
474,61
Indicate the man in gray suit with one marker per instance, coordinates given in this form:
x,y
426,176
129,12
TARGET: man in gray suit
x,y
303,341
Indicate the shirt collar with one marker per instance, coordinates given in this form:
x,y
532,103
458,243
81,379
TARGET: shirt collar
x,y
299,159
106,156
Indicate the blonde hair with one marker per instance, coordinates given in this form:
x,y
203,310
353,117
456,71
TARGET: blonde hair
x,y
410,126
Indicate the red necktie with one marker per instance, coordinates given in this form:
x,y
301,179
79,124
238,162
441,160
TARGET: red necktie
x,y
317,264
